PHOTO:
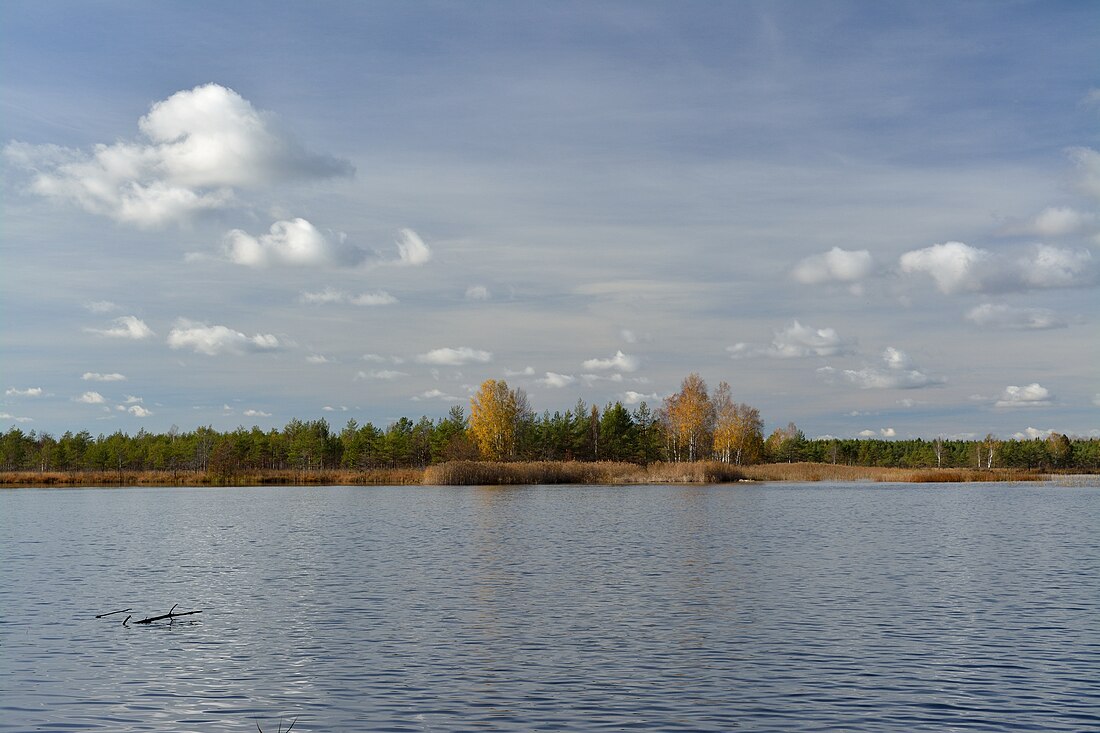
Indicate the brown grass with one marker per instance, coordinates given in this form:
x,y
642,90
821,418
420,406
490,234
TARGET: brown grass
x,y
831,472
480,473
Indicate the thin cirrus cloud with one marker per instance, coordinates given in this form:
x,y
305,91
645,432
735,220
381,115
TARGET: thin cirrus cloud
x,y
448,356
126,327
956,267
794,342
383,374
332,295
214,340
999,315
837,265
195,149
620,361
1031,395
97,377
898,372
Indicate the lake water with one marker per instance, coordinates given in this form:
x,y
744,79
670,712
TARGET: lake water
x,y
746,607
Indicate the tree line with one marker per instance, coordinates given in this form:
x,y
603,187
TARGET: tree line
x,y
693,424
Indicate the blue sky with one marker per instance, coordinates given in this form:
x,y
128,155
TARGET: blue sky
x,y
869,218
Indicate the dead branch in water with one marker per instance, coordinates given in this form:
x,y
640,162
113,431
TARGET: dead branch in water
x,y
171,614
112,613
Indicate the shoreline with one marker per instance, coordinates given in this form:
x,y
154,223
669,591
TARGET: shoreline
x,y
482,473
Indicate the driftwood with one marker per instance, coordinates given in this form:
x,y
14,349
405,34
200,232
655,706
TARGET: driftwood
x,y
112,613
171,614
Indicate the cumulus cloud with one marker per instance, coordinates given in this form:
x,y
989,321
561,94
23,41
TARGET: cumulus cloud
x,y
195,148
318,359
557,381
793,342
478,292
1060,221
28,392
92,398
1032,433
97,377
630,397
436,394
256,413
620,361
138,411
455,357
1005,316
411,249
837,265
528,371
214,340
332,295
291,242
959,268
888,433
9,416
126,327
898,373
1031,395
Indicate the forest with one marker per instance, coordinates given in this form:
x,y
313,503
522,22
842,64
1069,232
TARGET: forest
x,y
692,425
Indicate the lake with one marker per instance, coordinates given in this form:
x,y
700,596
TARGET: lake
x,y
774,607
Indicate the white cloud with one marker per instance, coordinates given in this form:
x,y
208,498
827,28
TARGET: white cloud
x,y
101,306
1087,161
126,327
139,411
411,249
867,434
97,377
898,373
386,374
528,371
132,400
620,361
375,297
1059,221
292,242
318,359
92,398
256,413
836,265
795,341
478,292
196,146
455,357
888,433
1032,434
1005,316
435,394
631,397
213,340
1031,395
557,381
28,392
960,268
9,416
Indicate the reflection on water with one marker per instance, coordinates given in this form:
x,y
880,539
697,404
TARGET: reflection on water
x,y
562,608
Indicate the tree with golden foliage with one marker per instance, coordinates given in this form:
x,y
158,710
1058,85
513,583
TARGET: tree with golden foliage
x,y
689,417
738,429
493,420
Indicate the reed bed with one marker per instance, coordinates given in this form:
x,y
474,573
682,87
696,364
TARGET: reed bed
x,y
832,472
480,473
337,477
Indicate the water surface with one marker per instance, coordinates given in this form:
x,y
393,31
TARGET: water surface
x,y
762,607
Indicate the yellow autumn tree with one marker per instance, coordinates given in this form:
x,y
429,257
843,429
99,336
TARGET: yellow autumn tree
x,y
738,429
493,420
689,417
